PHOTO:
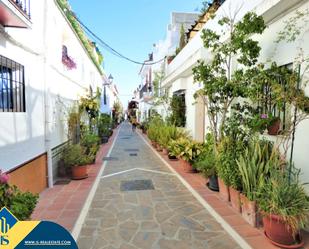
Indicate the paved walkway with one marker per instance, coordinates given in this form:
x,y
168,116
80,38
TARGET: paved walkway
x,y
164,216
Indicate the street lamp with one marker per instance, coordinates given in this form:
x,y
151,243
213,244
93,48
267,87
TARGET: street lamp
x,y
110,79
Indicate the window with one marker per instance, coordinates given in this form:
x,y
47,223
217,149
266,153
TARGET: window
x,y
267,106
12,86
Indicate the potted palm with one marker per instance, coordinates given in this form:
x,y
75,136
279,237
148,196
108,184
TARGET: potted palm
x,y
74,156
284,206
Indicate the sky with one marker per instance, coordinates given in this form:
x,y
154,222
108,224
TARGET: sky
x,y
131,27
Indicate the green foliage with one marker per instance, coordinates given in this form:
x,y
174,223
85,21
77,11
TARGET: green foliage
x,y
221,86
23,204
178,107
20,204
190,150
254,166
90,142
228,152
90,104
206,161
153,131
64,5
285,196
75,155
74,123
104,125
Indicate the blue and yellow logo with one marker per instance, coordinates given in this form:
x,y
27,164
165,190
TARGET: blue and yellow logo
x,y
7,221
15,234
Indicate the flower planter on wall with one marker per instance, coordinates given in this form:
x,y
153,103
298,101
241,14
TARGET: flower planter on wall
x,y
235,199
279,233
223,191
249,210
79,172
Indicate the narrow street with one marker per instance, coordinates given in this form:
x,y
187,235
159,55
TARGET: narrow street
x,y
140,203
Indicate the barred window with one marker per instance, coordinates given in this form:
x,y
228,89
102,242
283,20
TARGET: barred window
x,y
12,86
267,106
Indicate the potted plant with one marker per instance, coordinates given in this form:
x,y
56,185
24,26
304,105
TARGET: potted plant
x,y
173,150
190,151
229,177
206,163
284,206
21,204
74,157
254,166
273,126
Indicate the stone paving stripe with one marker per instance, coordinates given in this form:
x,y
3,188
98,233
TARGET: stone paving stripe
x,y
108,158
218,218
147,170
82,217
131,150
133,154
136,185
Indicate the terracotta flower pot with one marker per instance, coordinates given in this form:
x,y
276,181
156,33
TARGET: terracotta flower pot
x,y
187,167
165,151
159,148
274,128
249,210
223,191
79,172
235,199
279,233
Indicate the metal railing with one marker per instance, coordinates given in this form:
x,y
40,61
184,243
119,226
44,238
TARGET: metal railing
x,y
23,6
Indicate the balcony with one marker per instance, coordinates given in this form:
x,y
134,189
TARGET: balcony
x,y
15,13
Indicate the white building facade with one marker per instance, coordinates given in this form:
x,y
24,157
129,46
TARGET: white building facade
x,y
179,76
52,68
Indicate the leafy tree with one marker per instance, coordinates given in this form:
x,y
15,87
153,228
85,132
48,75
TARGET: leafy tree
x,y
222,85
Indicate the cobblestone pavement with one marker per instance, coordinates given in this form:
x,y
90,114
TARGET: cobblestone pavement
x,y
166,216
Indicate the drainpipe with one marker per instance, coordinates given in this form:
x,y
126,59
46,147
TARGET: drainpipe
x,y
47,102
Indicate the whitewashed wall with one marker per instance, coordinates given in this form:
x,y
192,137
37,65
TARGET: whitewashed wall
x,y
275,12
50,87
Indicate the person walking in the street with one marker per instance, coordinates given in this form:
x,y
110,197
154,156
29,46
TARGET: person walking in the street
x,y
134,123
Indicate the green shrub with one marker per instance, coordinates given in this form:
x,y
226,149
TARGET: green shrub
x,y
74,155
206,161
90,142
283,195
229,151
20,204
254,166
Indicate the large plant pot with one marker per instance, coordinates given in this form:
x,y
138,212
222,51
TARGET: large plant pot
x,y
274,128
79,172
279,233
165,151
235,199
249,210
154,144
104,139
223,191
187,167
159,148
212,183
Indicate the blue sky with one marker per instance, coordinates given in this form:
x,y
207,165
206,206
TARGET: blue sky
x,y
131,27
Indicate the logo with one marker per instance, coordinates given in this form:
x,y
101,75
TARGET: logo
x,y
7,221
